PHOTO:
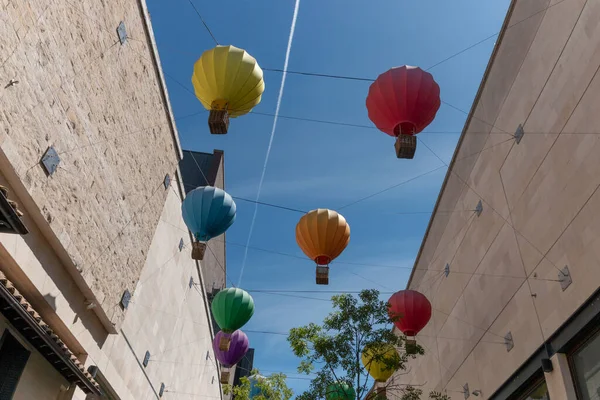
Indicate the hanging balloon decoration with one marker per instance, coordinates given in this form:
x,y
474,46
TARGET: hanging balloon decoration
x,y
378,362
411,311
231,308
322,235
208,212
402,102
255,390
237,350
229,83
340,391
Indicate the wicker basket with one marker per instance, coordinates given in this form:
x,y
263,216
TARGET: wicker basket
x,y
225,376
322,275
218,122
410,346
224,343
381,392
406,145
198,249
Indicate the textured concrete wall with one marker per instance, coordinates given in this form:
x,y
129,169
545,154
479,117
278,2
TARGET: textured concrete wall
x,y
101,105
539,198
166,316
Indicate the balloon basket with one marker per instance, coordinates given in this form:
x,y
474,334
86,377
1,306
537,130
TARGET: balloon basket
x,y
218,122
224,376
224,343
406,145
410,346
381,393
322,275
198,249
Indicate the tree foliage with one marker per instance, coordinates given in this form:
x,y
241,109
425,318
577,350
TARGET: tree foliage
x,y
332,351
272,387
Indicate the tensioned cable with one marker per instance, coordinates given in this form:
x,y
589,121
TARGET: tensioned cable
x,y
204,23
451,170
272,136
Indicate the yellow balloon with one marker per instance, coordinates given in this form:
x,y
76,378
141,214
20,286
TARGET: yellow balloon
x,y
228,78
377,368
322,235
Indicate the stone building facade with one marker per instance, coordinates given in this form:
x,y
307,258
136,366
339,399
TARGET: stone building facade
x,y
515,285
90,153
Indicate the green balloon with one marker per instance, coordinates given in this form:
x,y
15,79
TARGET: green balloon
x,y
232,308
340,391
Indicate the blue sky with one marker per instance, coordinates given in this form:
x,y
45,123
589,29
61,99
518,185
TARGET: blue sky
x,y
319,165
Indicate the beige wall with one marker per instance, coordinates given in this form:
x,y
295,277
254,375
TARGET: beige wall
x,y
165,317
103,222
39,379
539,197
102,106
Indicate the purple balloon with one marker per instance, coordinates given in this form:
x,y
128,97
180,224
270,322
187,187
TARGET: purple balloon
x,y
237,348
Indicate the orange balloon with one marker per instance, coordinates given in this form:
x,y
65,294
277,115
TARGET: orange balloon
x,y
322,235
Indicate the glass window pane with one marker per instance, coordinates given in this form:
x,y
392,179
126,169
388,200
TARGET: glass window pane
x,y
587,370
538,393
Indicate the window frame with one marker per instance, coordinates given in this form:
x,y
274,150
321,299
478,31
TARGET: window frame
x,y
530,386
587,336
7,331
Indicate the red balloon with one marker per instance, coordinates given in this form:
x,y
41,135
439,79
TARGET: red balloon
x,y
403,100
412,309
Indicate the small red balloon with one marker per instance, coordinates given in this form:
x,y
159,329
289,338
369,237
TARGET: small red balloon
x,y
403,100
412,309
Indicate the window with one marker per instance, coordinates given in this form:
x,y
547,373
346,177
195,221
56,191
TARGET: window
x,y
13,358
585,363
534,389
539,392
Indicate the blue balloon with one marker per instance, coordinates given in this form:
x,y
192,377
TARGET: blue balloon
x,y
208,212
254,389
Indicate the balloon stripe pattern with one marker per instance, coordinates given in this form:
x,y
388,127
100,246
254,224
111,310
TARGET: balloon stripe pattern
x,y
227,74
411,309
208,212
377,366
237,348
322,235
403,95
232,309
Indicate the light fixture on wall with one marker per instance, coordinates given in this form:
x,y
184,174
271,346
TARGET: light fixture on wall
x,y
89,304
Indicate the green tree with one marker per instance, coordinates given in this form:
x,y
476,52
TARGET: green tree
x,y
332,351
272,387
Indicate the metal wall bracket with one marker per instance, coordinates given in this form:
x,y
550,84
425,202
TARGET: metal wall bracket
x,y
479,208
519,134
162,390
564,277
466,391
167,181
447,270
207,354
181,244
125,299
146,359
191,282
212,380
122,32
50,160
508,342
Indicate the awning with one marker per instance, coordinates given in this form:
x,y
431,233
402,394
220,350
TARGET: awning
x,y
30,325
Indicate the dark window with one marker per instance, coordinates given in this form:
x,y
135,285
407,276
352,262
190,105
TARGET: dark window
x,y
539,392
585,362
534,389
13,357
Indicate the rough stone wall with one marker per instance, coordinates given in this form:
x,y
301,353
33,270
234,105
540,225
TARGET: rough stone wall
x,y
99,103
